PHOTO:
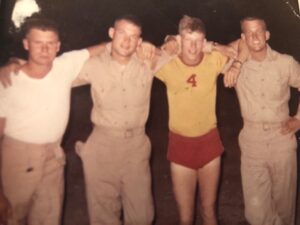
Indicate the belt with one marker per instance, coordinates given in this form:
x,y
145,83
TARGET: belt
x,y
265,126
120,132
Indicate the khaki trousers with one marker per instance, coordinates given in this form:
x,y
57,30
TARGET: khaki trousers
x,y
117,175
32,177
269,173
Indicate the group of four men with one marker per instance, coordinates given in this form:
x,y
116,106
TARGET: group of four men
x,y
34,113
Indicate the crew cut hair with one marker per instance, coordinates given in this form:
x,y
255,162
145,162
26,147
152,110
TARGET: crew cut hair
x,y
130,18
191,24
40,23
253,18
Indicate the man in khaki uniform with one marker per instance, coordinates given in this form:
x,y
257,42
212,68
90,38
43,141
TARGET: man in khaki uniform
x,y
267,140
116,154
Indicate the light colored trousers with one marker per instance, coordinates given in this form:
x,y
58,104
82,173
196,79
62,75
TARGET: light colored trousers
x,y
33,181
117,175
269,174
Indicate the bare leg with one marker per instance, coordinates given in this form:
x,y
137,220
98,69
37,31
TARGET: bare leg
x,y
208,178
184,187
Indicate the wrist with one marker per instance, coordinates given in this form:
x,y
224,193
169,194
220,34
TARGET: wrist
x,y
237,61
237,64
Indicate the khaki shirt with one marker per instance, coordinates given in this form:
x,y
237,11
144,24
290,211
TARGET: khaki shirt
x,y
263,88
120,93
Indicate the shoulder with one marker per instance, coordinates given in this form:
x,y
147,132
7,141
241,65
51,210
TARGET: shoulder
x,y
16,79
173,64
72,54
284,62
282,57
216,58
216,55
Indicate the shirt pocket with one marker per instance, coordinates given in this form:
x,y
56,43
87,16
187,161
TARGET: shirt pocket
x,y
276,84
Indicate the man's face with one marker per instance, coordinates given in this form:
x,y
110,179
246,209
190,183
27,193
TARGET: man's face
x,y
125,38
42,46
191,47
255,35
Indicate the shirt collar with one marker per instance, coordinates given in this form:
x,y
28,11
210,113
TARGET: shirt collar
x,y
269,56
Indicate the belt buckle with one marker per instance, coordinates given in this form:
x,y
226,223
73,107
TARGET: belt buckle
x,y
128,133
266,127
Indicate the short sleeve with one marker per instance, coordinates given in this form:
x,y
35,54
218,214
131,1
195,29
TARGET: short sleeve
x,y
220,60
162,60
160,74
89,69
294,73
2,101
72,62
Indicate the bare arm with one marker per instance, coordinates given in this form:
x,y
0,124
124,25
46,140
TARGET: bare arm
x,y
209,46
292,125
233,68
227,50
5,209
155,56
13,65
97,49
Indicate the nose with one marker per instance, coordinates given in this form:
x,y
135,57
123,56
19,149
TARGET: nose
x,y
126,40
193,44
255,36
45,48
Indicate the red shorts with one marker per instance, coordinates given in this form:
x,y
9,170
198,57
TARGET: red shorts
x,y
194,152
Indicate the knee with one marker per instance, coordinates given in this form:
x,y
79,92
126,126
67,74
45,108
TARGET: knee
x,y
208,206
255,213
186,222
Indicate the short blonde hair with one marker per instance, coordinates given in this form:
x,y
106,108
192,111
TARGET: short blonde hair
x,y
191,24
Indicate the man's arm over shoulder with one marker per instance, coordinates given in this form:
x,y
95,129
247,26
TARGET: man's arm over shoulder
x,y
226,50
70,63
90,68
168,51
233,68
97,49
12,66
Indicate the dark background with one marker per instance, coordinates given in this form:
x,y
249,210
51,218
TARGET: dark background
x,y
85,22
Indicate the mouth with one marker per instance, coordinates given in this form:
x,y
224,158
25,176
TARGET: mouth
x,y
256,43
192,53
125,47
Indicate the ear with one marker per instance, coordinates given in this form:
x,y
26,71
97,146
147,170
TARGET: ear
x,y
140,41
111,32
204,41
58,46
25,44
268,35
243,36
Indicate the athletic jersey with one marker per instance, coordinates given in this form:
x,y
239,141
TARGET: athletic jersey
x,y
191,92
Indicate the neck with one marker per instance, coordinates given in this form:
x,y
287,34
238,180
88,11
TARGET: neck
x,y
36,71
120,59
191,62
259,56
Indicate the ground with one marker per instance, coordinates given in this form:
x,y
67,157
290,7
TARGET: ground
x,y
230,202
